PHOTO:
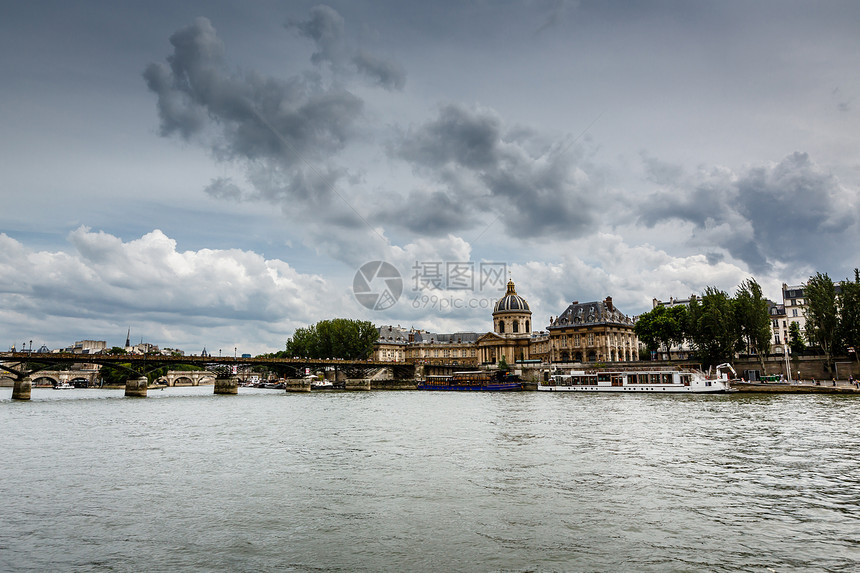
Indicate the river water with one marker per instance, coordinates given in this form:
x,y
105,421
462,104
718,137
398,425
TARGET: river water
x,y
184,480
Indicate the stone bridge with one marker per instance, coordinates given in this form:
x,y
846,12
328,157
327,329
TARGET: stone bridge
x,y
77,378
26,367
187,378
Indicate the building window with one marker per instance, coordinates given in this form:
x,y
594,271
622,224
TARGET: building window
x,y
516,327
502,326
794,312
527,326
591,339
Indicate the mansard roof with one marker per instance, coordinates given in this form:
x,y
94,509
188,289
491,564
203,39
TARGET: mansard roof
x,y
591,313
456,337
393,335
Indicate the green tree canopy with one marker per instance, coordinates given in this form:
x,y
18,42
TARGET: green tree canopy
x,y
662,327
795,338
753,319
713,327
849,312
822,315
336,338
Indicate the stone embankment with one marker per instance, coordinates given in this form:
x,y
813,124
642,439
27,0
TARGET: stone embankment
x,y
801,387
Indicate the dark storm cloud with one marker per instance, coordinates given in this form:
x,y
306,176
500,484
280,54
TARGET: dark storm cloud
x,y
325,27
534,187
224,188
458,135
790,211
387,74
254,117
434,213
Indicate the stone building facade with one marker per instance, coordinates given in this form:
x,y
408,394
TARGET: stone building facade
x,y
511,336
413,346
588,332
593,332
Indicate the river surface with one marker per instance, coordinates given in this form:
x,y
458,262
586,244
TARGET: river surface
x,y
184,480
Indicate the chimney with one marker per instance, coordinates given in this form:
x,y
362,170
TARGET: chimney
x,y
608,303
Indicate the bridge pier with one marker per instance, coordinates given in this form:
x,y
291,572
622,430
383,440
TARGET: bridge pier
x,y
357,384
136,387
297,385
226,385
21,389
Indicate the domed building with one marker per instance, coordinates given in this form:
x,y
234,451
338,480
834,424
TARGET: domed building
x,y
512,330
512,315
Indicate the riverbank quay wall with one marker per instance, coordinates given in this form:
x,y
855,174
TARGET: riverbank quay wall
x,y
801,367
806,387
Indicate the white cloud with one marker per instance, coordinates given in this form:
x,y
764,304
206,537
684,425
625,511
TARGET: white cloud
x,y
105,284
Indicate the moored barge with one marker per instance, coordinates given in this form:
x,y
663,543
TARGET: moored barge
x,y
636,381
473,381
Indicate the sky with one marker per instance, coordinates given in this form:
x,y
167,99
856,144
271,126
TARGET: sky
x,y
217,174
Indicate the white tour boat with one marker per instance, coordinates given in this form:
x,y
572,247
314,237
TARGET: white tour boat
x,y
637,381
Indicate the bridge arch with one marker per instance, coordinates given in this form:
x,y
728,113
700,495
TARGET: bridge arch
x,y
45,380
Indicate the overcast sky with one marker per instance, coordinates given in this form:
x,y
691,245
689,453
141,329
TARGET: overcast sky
x,y
214,174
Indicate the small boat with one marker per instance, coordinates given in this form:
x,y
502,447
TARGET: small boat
x,y
322,385
64,386
475,381
658,380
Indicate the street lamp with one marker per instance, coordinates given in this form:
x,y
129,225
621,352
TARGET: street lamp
x,y
854,352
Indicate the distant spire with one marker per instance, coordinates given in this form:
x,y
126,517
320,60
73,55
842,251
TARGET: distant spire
x,y
128,338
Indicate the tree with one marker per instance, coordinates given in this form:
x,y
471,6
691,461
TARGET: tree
x,y
646,329
822,315
849,312
503,364
337,338
753,319
662,327
713,327
796,342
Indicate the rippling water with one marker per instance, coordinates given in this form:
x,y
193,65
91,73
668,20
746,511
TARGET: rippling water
x,y
411,481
